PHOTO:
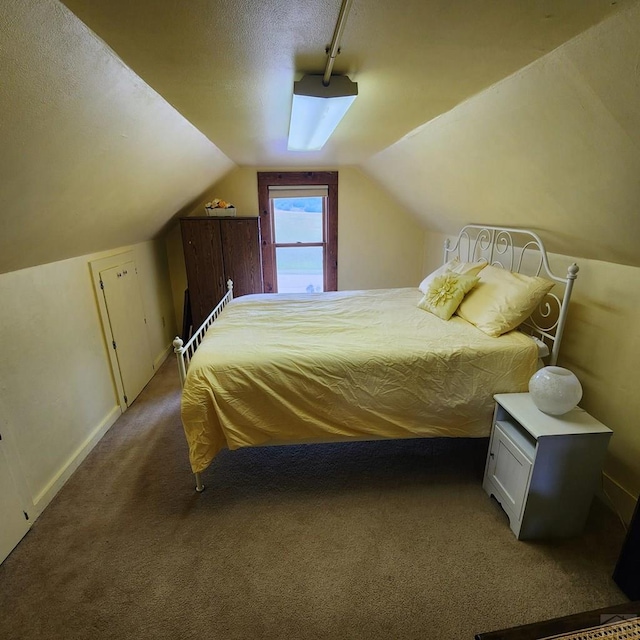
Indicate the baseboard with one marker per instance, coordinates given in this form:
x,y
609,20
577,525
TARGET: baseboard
x,y
159,361
617,498
41,501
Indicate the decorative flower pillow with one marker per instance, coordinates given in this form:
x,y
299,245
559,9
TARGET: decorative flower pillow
x,y
445,293
454,265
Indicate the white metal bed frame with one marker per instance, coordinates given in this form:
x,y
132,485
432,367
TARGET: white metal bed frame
x,y
515,249
185,352
512,249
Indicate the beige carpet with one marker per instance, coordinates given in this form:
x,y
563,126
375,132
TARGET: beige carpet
x,y
364,540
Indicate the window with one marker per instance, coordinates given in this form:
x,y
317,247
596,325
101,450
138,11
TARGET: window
x,y
298,228
299,215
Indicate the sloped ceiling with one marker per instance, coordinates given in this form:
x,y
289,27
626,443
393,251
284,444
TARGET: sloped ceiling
x,y
115,115
91,158
555,147
228,66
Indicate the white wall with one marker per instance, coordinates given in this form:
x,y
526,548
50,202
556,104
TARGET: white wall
x,y
56,384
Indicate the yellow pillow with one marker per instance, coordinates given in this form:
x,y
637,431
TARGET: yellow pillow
x,y
445,293
502,300
464,268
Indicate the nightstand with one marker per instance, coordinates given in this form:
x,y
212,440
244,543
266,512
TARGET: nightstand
x,y
542,469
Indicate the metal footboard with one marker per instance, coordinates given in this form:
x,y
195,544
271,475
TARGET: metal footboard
x,y
184,352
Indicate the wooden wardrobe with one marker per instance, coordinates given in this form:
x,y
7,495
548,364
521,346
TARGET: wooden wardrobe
x,y
217,249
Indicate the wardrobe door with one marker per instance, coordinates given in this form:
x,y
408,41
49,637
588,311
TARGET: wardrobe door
x,y
204,264
242,254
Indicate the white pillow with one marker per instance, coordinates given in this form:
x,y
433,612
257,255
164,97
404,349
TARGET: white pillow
x,y
463,268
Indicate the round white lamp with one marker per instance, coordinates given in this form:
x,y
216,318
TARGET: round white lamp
x,y
555,390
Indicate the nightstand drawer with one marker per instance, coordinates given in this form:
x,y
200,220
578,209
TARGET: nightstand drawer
x,y
509,467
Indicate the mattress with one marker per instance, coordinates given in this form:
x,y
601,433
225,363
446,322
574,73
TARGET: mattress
x,y
356,365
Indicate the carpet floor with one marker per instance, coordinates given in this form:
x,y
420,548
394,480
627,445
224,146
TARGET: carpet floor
x,y
350,541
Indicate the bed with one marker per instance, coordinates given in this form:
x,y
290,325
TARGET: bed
x,y
273,369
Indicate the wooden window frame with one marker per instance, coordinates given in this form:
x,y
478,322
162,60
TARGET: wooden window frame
x,y
268,179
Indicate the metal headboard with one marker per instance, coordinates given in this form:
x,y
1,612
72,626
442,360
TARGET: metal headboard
x,y
521,251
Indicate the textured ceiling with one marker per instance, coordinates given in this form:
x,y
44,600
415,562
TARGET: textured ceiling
x,y
98,154
228,66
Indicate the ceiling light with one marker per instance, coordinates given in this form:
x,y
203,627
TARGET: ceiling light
x,y
317,110
320,102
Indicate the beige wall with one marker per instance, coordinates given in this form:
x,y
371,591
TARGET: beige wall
x,y
554,147
379,244
92,157
56,388
601,346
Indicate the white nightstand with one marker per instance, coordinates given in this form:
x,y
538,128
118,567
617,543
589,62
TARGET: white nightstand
x,y
542,469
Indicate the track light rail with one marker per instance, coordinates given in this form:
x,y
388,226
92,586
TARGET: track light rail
x,y
334,49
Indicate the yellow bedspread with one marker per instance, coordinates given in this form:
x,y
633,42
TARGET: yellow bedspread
x,y
351,365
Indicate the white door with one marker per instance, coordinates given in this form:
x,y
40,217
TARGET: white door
x,y
12,517
128,327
